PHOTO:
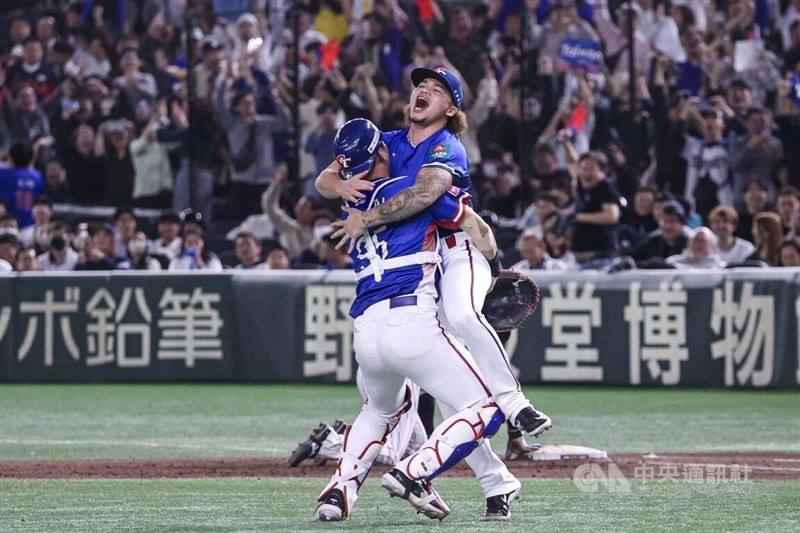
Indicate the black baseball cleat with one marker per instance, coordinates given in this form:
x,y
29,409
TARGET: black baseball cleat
x,y
309,448
498,507
533,422
331,509
420,494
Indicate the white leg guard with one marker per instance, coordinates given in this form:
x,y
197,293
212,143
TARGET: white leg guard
x,y
452,440
363,442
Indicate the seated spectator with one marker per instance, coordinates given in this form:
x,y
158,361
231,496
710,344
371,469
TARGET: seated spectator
x,y
767,236
248,252
731,249
55,178
168,244
534,254
640,220
9,224
20,183
26,259
295,233
9,246
194,254
38,234
556,239
59,256
277,258
125,226
670,238
594,233
790,254
545,206
333,258
755,202
137,251
787,204
700,254
101,252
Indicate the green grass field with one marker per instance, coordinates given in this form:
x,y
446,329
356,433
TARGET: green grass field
x,y
185,421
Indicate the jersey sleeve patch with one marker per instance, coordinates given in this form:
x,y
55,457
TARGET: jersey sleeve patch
x,y
439,152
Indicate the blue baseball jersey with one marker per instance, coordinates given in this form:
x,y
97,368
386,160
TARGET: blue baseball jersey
x,y
403,238
20,187
442,149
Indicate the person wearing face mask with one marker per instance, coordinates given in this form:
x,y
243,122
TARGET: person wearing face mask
x,y
9,224
60,256
139,256
38,234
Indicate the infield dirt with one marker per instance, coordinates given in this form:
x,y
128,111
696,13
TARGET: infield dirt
x,y
768,466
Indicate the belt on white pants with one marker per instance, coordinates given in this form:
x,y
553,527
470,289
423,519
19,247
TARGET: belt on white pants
x,y
405,300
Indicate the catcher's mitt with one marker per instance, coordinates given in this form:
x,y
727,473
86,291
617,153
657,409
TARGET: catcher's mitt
x,y
513,299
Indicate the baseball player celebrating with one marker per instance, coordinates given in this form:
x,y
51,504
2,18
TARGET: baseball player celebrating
x,y
398,335
430,151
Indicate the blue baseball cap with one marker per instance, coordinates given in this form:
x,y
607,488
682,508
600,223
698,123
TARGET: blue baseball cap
x,y
356,146
450,80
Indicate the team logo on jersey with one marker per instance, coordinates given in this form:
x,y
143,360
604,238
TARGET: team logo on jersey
x,y
440,151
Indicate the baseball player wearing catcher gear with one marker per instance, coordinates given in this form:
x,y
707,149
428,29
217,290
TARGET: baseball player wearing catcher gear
x,y
430,151
396,267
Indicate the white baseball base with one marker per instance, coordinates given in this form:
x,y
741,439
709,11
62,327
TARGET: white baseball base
x,y
566,452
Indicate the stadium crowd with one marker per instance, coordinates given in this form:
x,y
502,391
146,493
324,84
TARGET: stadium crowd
x,y
699,170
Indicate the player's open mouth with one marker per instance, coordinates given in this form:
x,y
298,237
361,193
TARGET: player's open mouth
x,y
420,104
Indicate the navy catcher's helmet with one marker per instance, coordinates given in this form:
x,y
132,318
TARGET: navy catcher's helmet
x,y
356,146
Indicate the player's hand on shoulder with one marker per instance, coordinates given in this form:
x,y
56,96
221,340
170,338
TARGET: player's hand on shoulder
x,y
353,190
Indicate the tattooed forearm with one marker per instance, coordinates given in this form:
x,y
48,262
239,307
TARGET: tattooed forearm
x,y
431,183
480,233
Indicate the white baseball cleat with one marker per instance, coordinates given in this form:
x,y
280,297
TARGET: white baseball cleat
x,y
420,494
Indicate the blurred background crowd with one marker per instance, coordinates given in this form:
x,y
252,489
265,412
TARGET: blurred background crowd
x,y
166,134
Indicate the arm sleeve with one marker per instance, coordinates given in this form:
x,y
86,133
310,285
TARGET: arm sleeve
x,y
448,209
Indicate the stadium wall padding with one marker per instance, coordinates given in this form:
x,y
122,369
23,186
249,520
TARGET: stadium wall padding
x,y
734,328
